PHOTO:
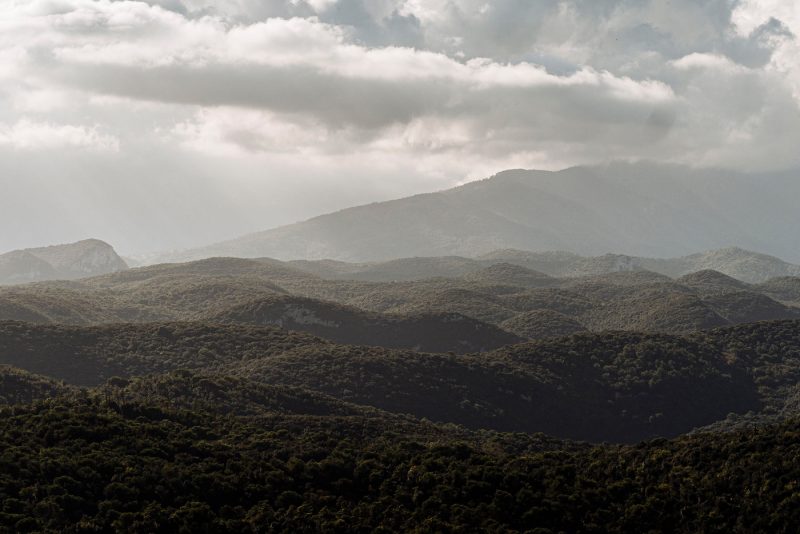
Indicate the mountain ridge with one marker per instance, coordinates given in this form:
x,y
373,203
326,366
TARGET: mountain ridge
x,y
744,265
642,209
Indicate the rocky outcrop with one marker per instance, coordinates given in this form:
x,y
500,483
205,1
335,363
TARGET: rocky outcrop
x,y
90,257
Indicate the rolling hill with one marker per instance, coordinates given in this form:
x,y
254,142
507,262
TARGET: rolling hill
x,y
737,263
464,313
432,332
734,262
600,387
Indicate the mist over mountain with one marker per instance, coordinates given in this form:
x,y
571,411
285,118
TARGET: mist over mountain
x,y
734,262
642,209
90,257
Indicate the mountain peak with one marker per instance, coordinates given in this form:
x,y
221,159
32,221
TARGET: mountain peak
x,y
640,209
89,257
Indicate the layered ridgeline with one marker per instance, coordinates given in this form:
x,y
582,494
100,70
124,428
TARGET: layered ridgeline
x,y
738,263
185,427
638,209
90,257
619,387
481,307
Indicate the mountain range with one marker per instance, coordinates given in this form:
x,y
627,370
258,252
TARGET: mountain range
x,y
490,389
738,263
90,257
641,209
481,306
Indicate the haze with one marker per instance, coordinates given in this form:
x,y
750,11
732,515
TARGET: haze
x,y
174,124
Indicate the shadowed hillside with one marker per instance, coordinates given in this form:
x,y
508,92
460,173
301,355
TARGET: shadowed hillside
x,y
20,387
612,387
344,324
91,355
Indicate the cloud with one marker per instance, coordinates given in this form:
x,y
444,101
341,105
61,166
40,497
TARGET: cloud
x,y
314,71
606,77
391,97
29,135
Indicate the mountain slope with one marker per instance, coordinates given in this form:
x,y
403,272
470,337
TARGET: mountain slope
x,y
89,356
640,209
431,332
20,266
90,257
20,387
612,386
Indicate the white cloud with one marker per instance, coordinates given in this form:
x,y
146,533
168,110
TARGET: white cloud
x,y
39,100
312,71
235,131
698,60
29,135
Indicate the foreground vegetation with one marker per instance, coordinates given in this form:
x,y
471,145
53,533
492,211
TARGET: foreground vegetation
x,y
87,464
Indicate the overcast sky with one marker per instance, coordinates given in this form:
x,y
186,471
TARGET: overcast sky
x,y
173,123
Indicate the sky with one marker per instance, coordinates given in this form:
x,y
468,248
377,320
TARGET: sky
x,y
169,124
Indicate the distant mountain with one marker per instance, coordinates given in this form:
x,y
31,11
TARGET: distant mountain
x,y
743,265
737,263
20,266
513,275
640,209
734,262
784,289
402,269
90,257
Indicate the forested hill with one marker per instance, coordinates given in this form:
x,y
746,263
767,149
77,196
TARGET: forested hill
x,y
615,386
85,463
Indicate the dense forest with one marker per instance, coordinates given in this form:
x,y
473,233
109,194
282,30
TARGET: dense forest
x,y
254,396
89,463
456,310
